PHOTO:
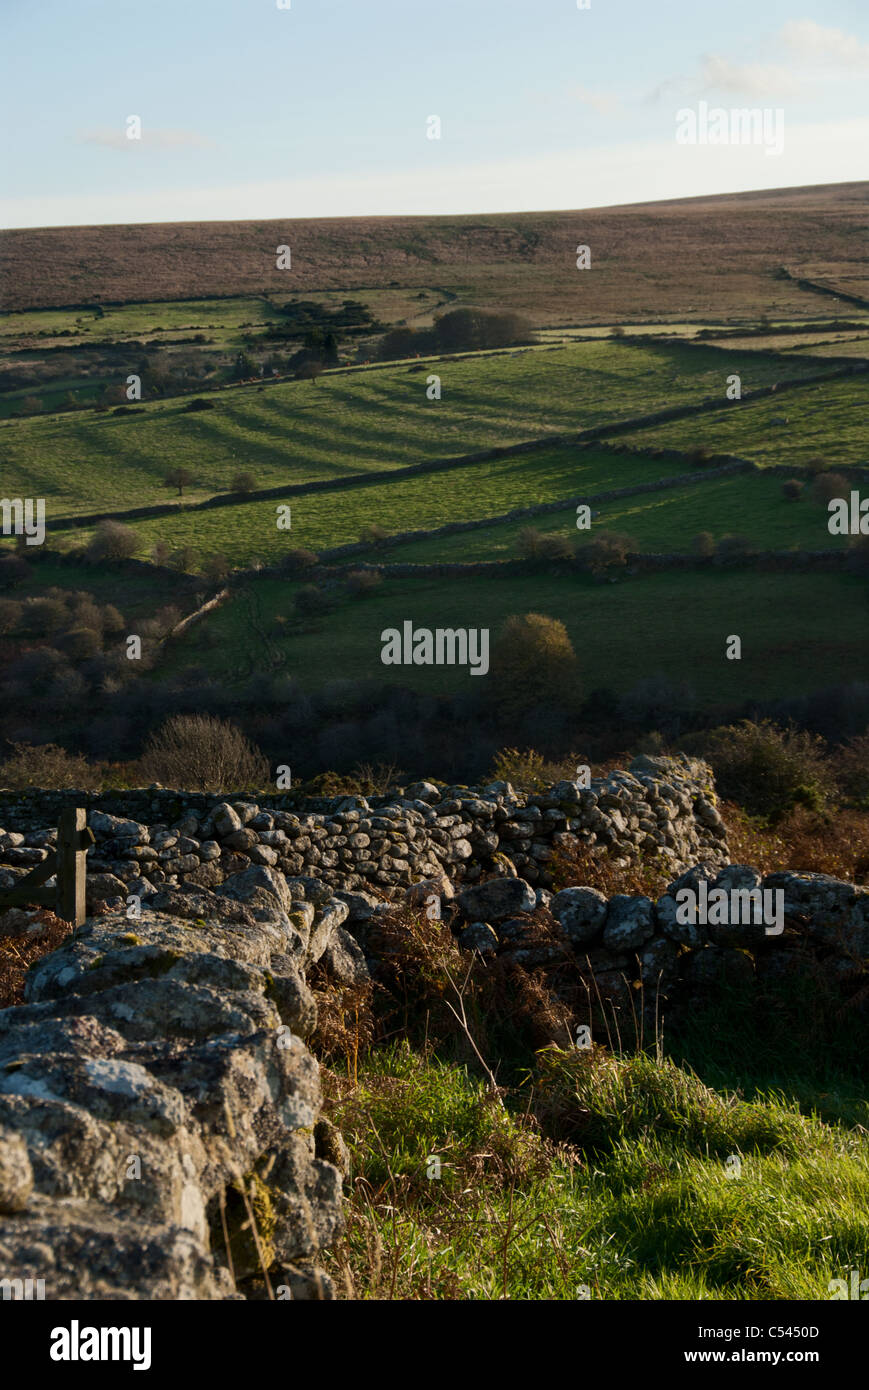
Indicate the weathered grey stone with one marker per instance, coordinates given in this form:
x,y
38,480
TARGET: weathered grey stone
x,y
629,923
581,913
497,898
479,936
344,960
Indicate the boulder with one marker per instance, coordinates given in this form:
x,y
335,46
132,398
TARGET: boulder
x,y
629,923
496,899
580,912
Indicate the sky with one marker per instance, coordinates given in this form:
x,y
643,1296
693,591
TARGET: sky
x,y
256,109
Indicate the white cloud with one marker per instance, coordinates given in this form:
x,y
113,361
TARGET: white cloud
x,y
601,102
749,79
150,139
814,41
602,176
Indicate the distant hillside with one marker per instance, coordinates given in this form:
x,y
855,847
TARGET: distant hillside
x,y
718,257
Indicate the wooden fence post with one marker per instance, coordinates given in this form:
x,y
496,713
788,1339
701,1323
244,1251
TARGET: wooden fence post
x,y
72,846
68,865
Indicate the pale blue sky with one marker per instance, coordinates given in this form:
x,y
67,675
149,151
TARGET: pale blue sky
x,y
251,111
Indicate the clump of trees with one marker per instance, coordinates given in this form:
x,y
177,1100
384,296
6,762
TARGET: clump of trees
x,y
459,330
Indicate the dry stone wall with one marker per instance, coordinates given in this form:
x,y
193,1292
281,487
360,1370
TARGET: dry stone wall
x,y
153,841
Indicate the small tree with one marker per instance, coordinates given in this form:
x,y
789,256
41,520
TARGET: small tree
x,y
179,478
310,371
703,544
243,482
532,661
112,541
792,490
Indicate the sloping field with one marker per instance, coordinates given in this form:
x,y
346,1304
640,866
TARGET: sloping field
x,y
748,505
715,256
248,530
829,420
793,627
352,422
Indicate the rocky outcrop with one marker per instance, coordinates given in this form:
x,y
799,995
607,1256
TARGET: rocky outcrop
x,y
160,1125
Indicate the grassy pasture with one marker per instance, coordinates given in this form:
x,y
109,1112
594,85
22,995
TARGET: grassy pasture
x,y
828,420
215,317
793,627
749,505
348,423
320,520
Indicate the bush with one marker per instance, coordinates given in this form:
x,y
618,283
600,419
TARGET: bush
x,y
112,541
606,552
310,601
373,534
295,561
198,752
184,559
544,547
47,765
10,615
766,769
364,582
828,486
735,548
792,490
243,482
216,568
528,771
44,615
81,643
703,544
852,770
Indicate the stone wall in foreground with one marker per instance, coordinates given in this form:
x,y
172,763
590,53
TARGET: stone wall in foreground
x,y
158,1104
152,840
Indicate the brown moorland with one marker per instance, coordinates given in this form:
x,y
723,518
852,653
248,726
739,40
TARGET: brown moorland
x,y
732,256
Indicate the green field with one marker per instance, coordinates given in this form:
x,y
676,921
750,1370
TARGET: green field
x,y
827,420
793,627
320,520
739,504
351,422
749,505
